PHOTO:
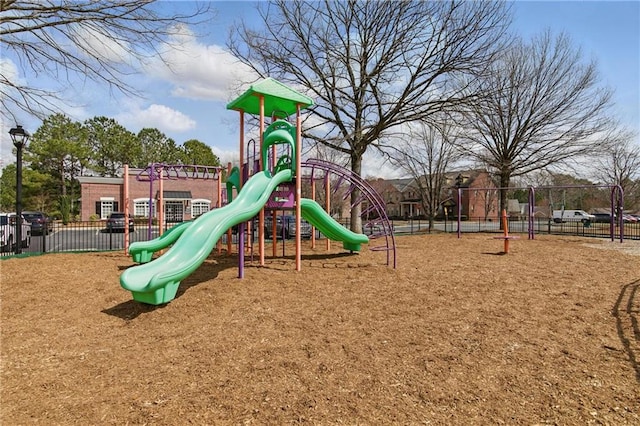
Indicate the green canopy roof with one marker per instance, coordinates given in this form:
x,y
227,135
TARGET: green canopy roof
x,y
277,97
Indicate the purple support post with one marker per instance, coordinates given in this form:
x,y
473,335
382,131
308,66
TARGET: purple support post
x,y
241,229
150,221
459,212
530,213
617,189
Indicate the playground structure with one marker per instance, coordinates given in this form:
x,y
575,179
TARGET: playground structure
x,y
160,172
271,182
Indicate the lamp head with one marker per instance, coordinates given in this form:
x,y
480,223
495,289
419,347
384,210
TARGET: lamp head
x,y
459,180
19,136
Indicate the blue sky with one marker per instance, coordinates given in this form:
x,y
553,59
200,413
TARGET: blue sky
x,y
607,31
190,104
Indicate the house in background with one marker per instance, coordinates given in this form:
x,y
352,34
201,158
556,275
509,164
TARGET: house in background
x,y
403,199
185,197
480,198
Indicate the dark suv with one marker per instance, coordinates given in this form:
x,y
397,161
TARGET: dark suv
x,y
116,222
40,222
602,217
289,231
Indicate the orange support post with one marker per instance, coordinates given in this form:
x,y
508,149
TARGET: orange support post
x,y
506,237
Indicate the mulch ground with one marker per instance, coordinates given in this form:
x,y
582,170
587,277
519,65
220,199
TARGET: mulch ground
x,y
457,334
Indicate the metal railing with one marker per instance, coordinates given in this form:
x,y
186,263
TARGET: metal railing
x,y
78,236
631,230
94,236
541,226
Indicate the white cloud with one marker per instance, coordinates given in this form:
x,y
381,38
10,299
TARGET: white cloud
x,y
226,156
374,165
9,71
97,42
196,70
157,116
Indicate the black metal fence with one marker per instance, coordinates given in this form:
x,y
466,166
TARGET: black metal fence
x,y
79,236
94,236
541,226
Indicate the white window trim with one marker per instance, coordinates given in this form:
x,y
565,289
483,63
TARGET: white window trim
x,y
199,201
145,200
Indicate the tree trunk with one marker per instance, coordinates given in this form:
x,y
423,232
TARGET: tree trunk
x,y
356,209
63,182
505,177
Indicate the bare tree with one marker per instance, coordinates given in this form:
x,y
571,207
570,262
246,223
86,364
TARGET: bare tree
x,y
372,66
619,164
426,156
542,107
102,41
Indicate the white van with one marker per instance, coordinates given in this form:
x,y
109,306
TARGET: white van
x,y
8,233
560,216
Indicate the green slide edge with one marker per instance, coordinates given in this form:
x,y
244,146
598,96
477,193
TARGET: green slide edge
x,y
157,282
313,213
142,251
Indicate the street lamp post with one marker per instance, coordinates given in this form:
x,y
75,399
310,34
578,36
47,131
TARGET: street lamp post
x,y
459,181
19,136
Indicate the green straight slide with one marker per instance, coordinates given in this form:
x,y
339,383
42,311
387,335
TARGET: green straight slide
x,y
157,282
315,215
142,251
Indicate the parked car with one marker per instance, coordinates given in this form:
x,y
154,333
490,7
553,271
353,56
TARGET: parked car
x,y
290,230
560,216
116,222
8,237
602,217
629,218
40,222
305,228
268,227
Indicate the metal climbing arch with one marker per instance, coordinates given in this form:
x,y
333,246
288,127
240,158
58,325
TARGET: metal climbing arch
x,y
311,168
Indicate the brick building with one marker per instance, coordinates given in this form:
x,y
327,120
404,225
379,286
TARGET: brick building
x,y
480,198
185,195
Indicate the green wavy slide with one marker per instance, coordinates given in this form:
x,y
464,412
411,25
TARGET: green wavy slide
x,y
157,282
318,217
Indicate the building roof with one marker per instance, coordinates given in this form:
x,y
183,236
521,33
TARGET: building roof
x,y
401,184
277,98
101,179
175,195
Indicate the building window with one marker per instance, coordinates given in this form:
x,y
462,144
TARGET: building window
x,y
105,207
200,206
141,207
